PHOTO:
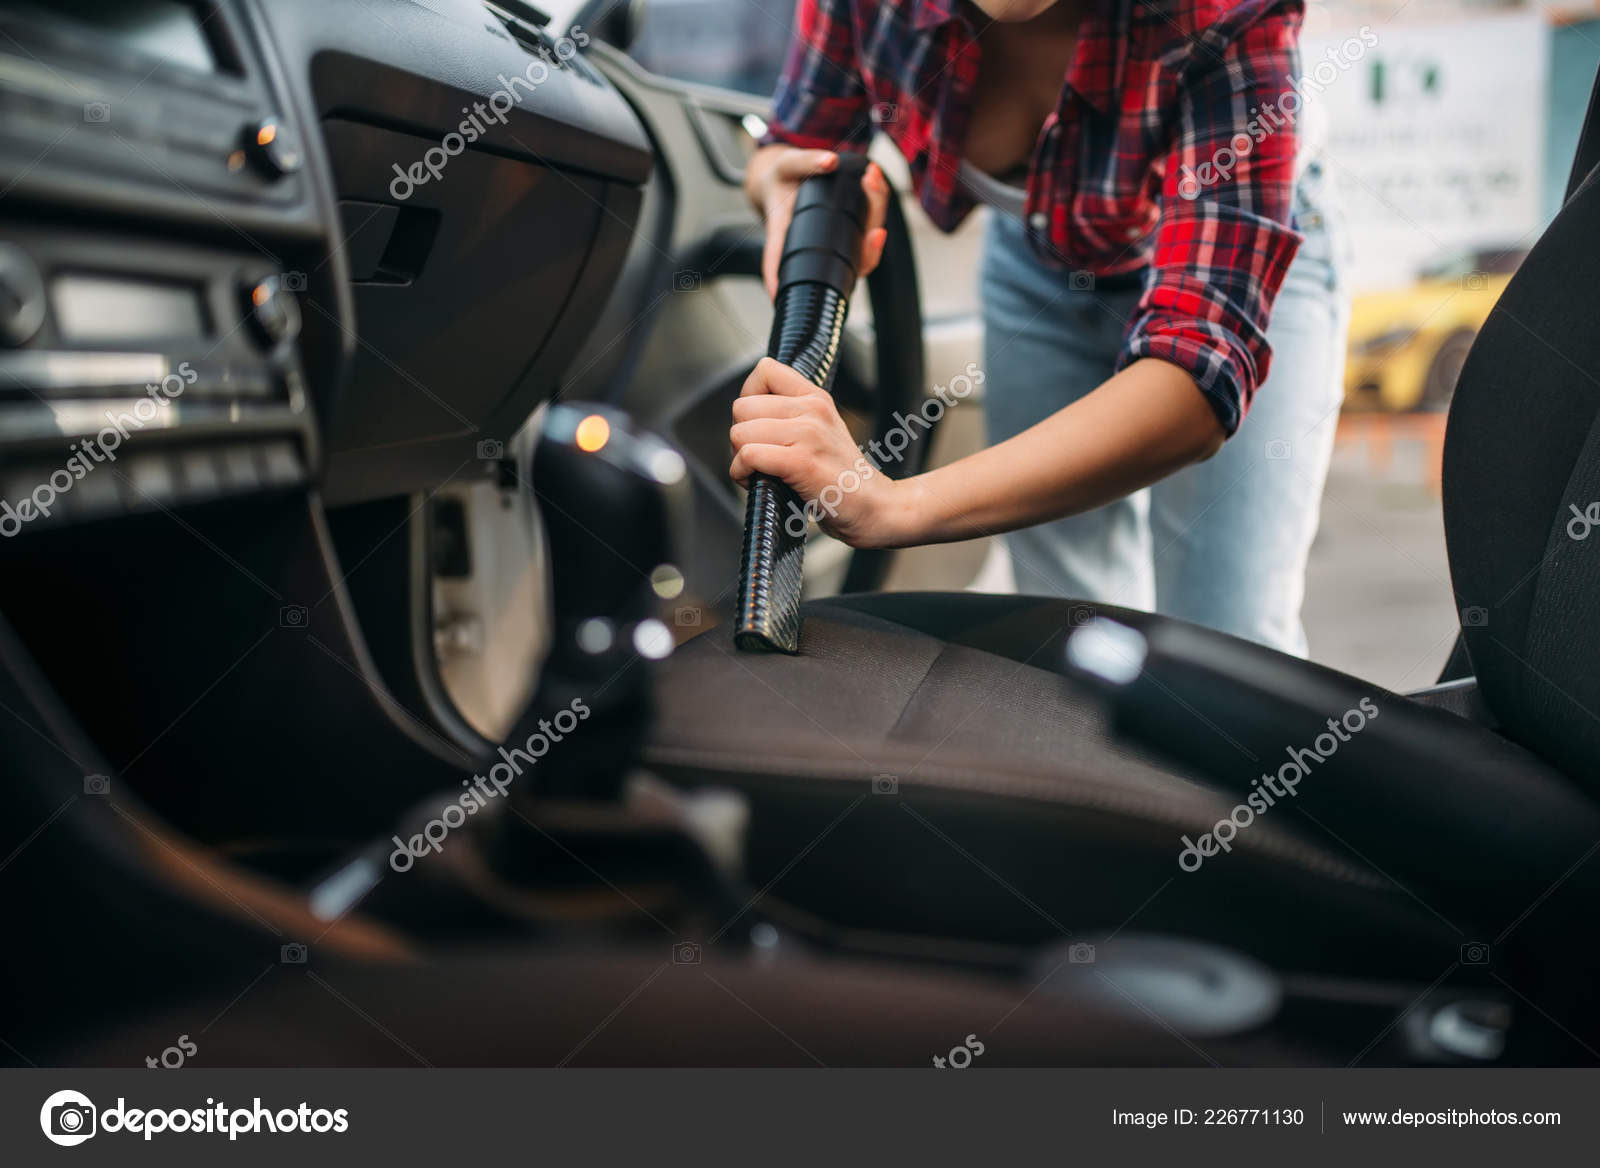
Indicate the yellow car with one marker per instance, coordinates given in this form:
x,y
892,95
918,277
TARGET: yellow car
x,y
1407,347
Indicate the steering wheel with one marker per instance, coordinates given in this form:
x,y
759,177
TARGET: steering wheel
x,y
679,372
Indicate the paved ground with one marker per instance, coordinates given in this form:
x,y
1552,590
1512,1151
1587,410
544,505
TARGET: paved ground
x,y
1378,599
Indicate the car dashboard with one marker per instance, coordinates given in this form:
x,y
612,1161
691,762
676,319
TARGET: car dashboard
x,y
271,274
217,267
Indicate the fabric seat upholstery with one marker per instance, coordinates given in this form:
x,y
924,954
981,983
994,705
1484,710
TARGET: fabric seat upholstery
x,y
923,767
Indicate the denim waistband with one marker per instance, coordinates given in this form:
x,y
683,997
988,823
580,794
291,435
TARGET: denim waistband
x,y
1012,235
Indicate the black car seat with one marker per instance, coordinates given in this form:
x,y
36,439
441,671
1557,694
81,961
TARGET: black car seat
x,y
927,764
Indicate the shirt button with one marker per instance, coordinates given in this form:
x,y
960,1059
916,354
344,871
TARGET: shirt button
x,y
1135,232
1039,221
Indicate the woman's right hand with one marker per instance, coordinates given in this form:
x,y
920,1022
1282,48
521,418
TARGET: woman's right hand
x,y
773,178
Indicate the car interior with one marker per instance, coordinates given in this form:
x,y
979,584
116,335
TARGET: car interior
x,y
369,569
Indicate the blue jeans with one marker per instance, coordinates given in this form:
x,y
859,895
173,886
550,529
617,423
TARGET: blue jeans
x,y
1221,543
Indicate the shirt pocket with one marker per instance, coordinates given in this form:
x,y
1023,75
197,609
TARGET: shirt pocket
x,y
1117,200
1114,229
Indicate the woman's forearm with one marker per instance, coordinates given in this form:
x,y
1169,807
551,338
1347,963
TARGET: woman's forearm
x,y
1140,426
1146,422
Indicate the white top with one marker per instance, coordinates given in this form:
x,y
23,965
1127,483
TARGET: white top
x,y
991,191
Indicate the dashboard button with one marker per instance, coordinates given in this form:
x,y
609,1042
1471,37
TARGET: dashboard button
x,y
101,492
21,296
272,148
153,483
239,469
273,312
282,465
201,479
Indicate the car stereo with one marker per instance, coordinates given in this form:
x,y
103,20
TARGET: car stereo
x,y
162,92
148,319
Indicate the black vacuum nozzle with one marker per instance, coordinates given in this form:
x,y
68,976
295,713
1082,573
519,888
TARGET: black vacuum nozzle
x,y
816,275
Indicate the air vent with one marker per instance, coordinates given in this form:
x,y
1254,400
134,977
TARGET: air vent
x,y
529,27
527,24
524,12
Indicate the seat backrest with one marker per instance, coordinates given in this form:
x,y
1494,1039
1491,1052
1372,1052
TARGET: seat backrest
x,y
1522,493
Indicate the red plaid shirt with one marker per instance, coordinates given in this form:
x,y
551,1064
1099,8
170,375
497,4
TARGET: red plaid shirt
x,y
1136,167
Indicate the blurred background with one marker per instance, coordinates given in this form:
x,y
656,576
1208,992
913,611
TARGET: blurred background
x,y
1450,140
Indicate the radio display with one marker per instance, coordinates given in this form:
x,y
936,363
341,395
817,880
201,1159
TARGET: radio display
x,y
165,29
113,308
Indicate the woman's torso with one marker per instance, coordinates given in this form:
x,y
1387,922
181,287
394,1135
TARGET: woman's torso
x,y
1019,86
1096,121
1020,75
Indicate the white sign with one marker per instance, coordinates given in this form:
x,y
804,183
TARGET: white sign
x,y
1436,139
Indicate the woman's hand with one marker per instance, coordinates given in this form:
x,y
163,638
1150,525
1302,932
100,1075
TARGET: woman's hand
x,y
785,426
771,181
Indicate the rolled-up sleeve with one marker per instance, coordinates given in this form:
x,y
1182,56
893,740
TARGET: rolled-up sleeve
x,y
821,103
1224,242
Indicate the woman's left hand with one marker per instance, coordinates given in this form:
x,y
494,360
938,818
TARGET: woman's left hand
x,y
787,427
